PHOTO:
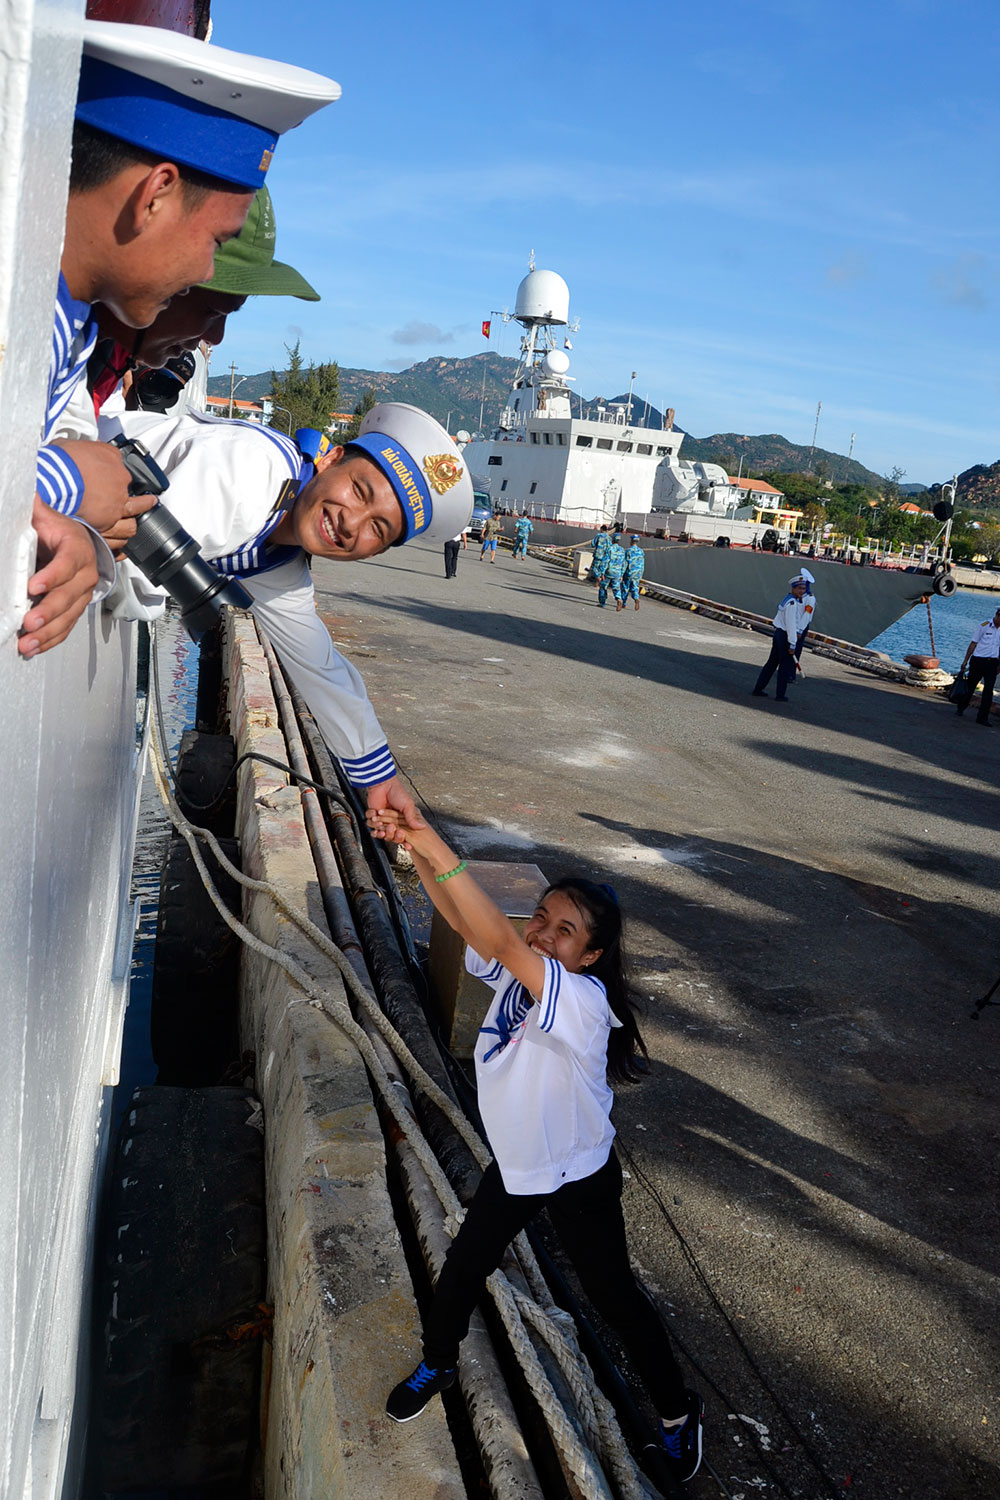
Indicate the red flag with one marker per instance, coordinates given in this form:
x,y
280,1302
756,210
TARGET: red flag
x,y
487,324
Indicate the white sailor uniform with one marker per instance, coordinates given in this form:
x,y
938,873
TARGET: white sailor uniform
x,y
74,334
227,480
544,1066
788,626
805,619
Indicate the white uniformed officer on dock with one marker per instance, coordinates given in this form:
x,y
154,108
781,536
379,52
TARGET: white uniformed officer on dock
x,y
807,611
787,628
982,658
173,137
257,508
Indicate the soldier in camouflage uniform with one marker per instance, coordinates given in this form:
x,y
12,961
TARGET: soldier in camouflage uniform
x,y
522,530
635,562
599,546
613,574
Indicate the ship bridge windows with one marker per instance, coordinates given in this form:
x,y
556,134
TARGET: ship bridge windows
x,y
624,447
604,442
561,439
533,489
547,437
584,442
664,452
643,447
495,459
534,437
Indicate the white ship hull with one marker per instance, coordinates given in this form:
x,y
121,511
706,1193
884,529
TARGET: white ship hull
x,y
71,765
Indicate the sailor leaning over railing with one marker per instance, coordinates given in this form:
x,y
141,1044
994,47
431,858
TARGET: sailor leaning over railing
x,y
172,139
257,509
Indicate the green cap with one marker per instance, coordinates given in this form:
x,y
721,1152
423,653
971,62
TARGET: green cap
x,y
246,267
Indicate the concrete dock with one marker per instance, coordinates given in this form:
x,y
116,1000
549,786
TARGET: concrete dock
x,y
812,890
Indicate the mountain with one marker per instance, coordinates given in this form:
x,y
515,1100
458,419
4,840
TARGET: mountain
x,y
453,391
450,389
979,487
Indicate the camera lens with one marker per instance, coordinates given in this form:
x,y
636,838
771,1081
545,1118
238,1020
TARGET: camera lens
x,y
171,559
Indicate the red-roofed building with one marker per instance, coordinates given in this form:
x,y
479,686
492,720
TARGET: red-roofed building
x,y
914,510
218,406
752,490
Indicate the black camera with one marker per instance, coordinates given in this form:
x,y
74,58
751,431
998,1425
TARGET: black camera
x,y
159,390
168,556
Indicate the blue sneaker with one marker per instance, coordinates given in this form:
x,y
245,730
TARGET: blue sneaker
x,y
412,1394
682,1445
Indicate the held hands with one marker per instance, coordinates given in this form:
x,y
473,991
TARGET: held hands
x,y
107,504
61,588
391,796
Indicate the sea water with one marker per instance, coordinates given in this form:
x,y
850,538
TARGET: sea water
x,y
953,622
177,657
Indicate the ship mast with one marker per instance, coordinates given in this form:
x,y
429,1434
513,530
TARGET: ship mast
x,y
541,308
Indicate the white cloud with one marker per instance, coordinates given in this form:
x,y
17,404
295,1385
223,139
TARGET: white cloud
x,y
954,283
421,333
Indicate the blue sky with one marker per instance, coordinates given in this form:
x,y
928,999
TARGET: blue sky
x,y
756,206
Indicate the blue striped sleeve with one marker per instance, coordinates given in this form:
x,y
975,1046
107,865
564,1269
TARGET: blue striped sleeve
x,y
550,994
368,770
58,481
490,971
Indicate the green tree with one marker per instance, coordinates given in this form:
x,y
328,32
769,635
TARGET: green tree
x,y
364,406
890,485
799,488
813,514
309,395
988,541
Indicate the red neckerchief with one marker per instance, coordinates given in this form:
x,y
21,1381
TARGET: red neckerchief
x,y
109,363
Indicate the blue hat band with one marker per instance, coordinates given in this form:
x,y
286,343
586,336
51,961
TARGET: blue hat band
x,y
405,477
173,126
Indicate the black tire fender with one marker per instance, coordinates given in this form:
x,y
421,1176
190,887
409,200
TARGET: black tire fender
x,y
205,792
182,1290
194,1022
944,585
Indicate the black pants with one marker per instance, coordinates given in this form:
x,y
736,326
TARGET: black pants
x,y
451,559
587,1216
782,661
981,669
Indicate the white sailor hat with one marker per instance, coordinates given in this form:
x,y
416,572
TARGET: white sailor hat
x,y
190,102
423,465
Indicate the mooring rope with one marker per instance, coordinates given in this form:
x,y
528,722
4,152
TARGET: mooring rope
x,y
596,1414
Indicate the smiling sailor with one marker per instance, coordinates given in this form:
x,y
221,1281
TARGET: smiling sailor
x,y
172,139
256,507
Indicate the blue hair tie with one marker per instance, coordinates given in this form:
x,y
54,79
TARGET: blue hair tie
x,y
610,892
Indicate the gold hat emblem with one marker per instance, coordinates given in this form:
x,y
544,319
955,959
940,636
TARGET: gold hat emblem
x,y
443,471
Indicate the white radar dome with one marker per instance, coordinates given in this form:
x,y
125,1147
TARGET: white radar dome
x,y
555,362
542,297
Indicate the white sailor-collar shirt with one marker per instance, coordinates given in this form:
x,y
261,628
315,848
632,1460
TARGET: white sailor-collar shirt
x,y
227,479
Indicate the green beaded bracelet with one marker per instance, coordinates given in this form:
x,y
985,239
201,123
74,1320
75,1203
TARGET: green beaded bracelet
x,y
456,871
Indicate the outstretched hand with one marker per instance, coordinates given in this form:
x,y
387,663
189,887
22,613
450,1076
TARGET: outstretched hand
x,y
411,832
392,799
